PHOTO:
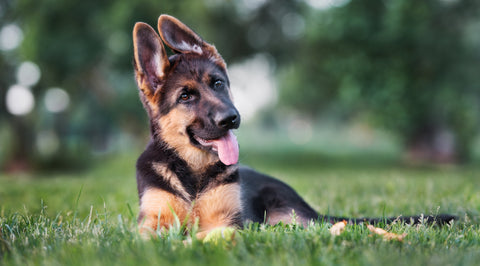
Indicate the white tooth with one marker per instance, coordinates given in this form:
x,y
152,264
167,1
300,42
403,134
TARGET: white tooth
x,y
203,142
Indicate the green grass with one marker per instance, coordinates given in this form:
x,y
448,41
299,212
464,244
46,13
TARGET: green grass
x,y
89,218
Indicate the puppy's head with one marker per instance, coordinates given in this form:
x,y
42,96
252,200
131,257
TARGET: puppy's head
x,y
187,96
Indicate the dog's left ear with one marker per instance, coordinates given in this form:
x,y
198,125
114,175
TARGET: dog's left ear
x,y
150,62
181,39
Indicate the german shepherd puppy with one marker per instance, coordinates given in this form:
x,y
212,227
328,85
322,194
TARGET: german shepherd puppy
x,y
189,168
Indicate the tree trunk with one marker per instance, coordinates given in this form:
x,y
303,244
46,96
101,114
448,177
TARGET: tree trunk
x,y
432,145
22,146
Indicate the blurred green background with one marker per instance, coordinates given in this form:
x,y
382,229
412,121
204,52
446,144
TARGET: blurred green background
x,y
316,81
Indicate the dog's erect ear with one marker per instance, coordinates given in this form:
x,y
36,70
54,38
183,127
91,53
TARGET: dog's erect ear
x,y
181,39
151,61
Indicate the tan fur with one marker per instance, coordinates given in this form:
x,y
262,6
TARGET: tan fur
x,y
162,170
155,202
218,207
215,208
173,129
149,99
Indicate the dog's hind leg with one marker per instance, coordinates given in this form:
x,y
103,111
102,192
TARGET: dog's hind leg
x,y
269,200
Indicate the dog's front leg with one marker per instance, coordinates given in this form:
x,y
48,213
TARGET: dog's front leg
x,y
158,209
219,208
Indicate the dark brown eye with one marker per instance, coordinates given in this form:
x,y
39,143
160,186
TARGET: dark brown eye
x,y
185,97
218,84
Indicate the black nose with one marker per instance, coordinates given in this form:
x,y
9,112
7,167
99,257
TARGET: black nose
x,y
228,120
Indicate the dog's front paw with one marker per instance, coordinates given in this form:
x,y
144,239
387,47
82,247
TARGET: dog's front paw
x,y
219,234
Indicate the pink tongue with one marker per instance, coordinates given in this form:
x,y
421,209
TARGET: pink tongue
x,y
227,148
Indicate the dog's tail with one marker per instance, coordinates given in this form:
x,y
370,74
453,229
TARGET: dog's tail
x,y
440,219
266,195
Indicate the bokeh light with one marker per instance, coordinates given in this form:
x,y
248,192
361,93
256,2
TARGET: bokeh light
x,y
56,100
11,36
28,74
19,100
327,4
293,25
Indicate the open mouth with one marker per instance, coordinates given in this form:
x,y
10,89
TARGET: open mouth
x,y
225,146
208,144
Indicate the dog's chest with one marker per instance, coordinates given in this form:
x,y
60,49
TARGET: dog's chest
x,y
213,199
219,206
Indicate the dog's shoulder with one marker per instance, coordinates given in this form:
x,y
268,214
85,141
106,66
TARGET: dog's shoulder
x,y
159,167
153,153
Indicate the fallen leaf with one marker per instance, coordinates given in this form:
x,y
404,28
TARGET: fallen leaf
x,y
386,235
338,228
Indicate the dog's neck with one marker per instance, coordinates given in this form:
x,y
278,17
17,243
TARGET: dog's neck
x,y
158,155
198,161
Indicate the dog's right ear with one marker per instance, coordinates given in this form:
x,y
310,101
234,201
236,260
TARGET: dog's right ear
x,y
151,62
181,39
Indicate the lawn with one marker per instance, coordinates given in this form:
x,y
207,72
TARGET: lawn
x,y
88,218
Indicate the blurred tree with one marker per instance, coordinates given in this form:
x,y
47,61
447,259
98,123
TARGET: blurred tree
x,y
412,66
84,47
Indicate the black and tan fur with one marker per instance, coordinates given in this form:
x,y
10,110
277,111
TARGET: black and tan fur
x,y
187,97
